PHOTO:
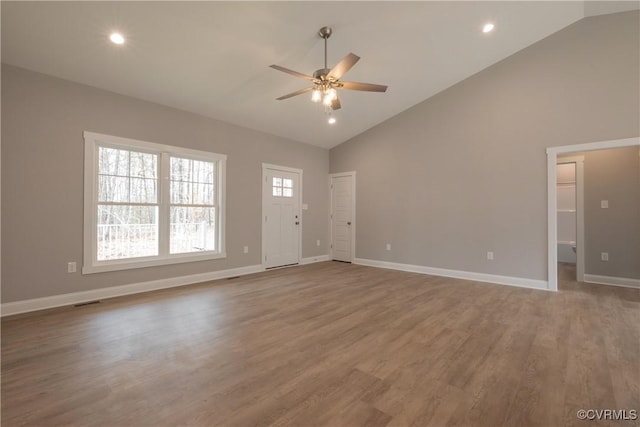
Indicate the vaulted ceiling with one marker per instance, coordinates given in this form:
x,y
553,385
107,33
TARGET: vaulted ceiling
x,y
212,58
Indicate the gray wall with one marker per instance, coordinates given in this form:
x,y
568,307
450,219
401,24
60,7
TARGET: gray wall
x,y
43,119
464,172
612,175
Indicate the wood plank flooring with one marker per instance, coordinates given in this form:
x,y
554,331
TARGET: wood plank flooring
x,y
327,344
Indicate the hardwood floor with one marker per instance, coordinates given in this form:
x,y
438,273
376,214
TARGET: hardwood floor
x,y
327,344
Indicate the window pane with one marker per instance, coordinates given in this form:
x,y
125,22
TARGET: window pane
x,y
143,165
113,189
203,194
143,190
179,169
277,182
287,183
192,182
127,231
192,229
277,191
127,176
181,193
192,170
287,192
113,162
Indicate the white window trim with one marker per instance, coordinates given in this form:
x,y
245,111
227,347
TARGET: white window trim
x,y
90,263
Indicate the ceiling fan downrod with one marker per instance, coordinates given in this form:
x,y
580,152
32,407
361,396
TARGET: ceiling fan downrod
x,y
325,33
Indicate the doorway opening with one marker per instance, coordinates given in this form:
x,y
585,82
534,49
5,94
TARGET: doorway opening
x,y
570,217
552,199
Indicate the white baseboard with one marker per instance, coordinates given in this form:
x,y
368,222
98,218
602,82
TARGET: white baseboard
x,y
466,275
312,259
25,306
612,281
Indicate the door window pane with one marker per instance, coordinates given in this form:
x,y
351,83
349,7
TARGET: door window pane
x,y
282,187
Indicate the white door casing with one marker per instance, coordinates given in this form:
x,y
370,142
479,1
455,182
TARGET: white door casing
x,y
281,216
552,225
342,217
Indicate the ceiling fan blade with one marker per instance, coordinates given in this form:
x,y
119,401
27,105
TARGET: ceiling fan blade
x,y
293,73
344,65
335,104
296,93
367,87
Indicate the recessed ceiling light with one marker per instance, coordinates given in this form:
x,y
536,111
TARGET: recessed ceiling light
x,y
116,38
331,120
488,27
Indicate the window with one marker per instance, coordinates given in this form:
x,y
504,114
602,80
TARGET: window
x,y
282,187
148,204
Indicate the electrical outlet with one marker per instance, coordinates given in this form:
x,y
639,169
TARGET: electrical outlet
x,y
317,242
71,267
490,256
604,204
246,249
604,256
388,246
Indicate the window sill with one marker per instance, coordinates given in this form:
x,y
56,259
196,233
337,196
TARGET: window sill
x,y
117,265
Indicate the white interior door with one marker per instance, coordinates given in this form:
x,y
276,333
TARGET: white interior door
x,y
342,217
281,217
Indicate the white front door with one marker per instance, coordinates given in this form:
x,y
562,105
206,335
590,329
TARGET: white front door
x,y
281,217
342,216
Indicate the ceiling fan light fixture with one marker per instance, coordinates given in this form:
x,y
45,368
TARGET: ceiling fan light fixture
x,y
329,95
325,81
316,95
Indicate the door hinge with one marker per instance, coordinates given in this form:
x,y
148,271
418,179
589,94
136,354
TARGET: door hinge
x,y
265,218
265,257
332,246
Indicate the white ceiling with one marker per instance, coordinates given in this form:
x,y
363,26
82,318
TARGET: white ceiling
x,y
212,58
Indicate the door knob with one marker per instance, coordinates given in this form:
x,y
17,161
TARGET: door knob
x,y
348,222
297,222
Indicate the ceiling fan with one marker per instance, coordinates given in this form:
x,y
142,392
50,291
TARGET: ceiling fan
x,y
326,81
